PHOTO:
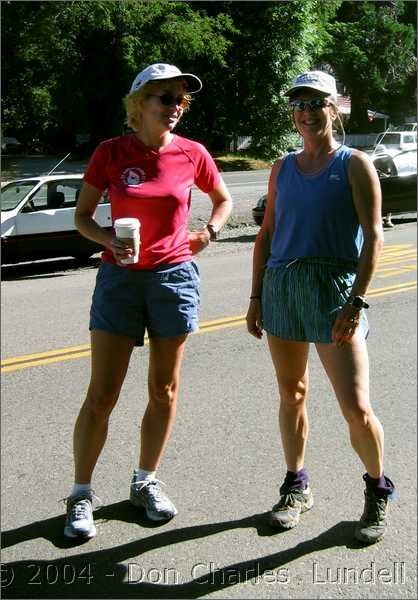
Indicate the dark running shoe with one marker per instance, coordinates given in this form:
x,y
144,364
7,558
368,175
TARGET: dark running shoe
x,y
149,495
373,522
286,513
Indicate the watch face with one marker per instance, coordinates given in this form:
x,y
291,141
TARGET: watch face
x,y
358,303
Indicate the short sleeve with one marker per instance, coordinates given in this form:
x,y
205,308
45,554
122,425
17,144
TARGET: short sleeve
x,y
207,176
96,172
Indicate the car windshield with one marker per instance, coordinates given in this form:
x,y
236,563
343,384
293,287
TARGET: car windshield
x,y
13,193
391,138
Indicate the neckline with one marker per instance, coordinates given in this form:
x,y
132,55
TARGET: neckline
x,y
153,149
322,169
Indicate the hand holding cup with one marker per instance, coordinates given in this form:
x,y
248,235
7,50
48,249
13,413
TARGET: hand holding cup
x,y
125,246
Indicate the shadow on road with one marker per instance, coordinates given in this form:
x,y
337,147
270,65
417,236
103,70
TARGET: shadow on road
x,y
238,238
101,574
46,268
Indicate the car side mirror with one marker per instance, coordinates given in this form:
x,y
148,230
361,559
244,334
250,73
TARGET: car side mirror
x,y
28,208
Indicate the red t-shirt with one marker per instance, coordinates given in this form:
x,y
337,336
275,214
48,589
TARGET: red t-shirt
x,y
155,187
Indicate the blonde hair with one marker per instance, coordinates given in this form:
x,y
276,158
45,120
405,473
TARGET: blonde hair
x,y
133,103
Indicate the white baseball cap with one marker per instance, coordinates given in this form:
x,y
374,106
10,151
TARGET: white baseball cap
x,y
164,71
315,80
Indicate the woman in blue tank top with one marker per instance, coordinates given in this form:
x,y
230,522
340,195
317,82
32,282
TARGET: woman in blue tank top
x,y
314,258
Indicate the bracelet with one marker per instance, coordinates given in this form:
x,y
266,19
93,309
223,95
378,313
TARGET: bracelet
x,y
255,297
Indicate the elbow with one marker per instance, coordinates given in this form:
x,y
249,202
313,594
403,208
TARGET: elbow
x,y
263,236
77,220
80,220
228,206
373,237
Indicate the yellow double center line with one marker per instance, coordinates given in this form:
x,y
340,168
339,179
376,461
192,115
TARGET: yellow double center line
x,y
53,356
392,255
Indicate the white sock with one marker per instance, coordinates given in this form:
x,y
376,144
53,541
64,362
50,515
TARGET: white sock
x,y
80,488
143,475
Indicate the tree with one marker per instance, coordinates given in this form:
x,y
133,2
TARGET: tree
x,y
372,51
72,62
271,42
68,64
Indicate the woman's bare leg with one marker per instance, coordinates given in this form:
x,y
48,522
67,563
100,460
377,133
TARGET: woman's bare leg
x,y
348,370
290,361
163,383
110,355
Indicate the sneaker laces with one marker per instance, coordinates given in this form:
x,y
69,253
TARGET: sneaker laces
x,y
81,500
289,499
153,488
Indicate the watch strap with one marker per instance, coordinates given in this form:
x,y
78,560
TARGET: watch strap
x,y
213,232
358,302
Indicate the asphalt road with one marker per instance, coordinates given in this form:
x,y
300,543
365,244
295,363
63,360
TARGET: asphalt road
x,y
224,463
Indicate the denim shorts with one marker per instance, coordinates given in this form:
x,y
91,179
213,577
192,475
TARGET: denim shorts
x,y
301,298
164,301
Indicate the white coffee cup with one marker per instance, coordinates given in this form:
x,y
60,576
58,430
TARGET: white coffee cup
x,y
127,230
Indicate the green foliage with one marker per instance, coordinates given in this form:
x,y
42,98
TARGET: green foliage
x,y
373,54
81,57
66,66
271,43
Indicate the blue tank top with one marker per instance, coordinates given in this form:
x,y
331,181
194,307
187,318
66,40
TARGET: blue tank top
x,y
315,214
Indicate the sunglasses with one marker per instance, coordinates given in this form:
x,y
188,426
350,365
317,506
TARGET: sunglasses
x,y
169,99
311,105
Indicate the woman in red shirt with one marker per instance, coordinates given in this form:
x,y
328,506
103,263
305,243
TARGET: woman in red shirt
x,y
149,175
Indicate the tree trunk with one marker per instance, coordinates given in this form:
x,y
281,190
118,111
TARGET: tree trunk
x,y
359,121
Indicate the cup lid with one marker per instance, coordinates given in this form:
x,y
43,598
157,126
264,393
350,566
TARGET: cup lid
x,y
127,222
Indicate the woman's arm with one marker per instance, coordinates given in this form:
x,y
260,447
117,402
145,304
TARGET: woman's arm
x,y
368,204
87,226
260,256
221,209
367,200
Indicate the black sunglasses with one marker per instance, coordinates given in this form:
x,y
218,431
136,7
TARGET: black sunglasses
x,y
169,99
315,104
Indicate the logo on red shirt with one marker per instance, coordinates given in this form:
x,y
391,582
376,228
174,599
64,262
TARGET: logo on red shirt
x,y
133,176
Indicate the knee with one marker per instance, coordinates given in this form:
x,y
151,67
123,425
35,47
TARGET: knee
x,y
101,400
162,395
293,393
360,416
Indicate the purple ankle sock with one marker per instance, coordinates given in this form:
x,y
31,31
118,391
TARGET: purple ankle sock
x,y
382,485
294,480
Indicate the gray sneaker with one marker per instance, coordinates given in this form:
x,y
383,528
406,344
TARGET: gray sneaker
x,y
149,495
79,522
285,514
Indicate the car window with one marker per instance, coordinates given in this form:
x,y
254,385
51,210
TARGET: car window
x,y
13,193
391,138
409,139
56,194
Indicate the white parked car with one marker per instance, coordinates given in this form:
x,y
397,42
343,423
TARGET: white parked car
x,y
37,219
394,142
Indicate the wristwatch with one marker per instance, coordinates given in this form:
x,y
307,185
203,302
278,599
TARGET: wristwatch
x,y
357,302
213,232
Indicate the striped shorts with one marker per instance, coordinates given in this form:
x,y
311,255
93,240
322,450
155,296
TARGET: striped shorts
x,y
301,298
